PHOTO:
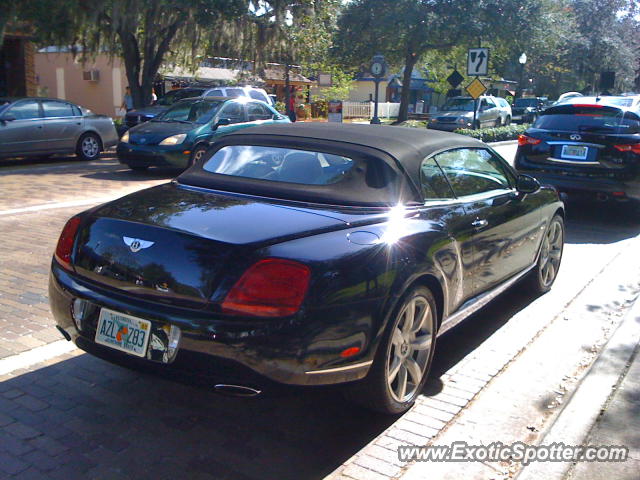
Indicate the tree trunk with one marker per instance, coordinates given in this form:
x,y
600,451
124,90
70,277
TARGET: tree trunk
x,y
409,63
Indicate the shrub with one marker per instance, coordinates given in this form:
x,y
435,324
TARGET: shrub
x,y
281,107
498,134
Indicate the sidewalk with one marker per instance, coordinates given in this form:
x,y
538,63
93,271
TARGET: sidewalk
x,y
604,410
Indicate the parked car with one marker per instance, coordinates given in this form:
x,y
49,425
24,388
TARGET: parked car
x,y
181,135
506,115
47,126
567,97
457,112
306,254
527,110
585,146
137,116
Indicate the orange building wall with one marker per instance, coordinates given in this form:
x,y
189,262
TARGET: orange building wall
x,y
60,76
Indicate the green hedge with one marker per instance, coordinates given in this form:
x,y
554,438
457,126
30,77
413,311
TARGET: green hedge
x,y
495,134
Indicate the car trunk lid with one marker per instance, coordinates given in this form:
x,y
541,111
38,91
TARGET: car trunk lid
x,y
171,244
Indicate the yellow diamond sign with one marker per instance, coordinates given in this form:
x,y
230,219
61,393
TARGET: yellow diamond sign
x,y
476,88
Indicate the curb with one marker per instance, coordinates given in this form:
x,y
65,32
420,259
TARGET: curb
x,y
574,423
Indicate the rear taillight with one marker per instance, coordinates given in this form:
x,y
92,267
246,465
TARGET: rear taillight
x,y
527,140
270,288
634,147
65,242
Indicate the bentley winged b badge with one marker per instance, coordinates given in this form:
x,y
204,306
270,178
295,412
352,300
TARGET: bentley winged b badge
x,y
137,244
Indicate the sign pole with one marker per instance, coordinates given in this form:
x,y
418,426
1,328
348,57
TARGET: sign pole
x,y
378,69
475,113
375,120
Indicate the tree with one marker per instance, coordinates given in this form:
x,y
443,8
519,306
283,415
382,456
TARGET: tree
x,y
143,33
405,30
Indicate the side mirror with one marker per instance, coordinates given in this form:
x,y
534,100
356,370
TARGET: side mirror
x,y
527,184
8,117
222,122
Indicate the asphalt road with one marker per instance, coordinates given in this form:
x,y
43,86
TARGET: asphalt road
x,y
78,416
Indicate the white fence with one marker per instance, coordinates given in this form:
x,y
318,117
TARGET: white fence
x,y
365,109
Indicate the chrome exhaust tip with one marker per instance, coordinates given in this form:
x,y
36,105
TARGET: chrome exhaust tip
x,y
236,390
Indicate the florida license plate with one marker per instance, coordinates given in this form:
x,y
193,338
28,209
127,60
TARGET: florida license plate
x,y
575,152
123,332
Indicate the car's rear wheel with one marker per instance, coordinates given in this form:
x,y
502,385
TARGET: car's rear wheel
x,y
507,122
546,270
404,357
89,147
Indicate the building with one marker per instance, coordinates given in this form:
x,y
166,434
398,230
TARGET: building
x,y
17,70
98,84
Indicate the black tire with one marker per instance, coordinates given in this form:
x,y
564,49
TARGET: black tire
x,y
197,154
498,123
507,122
376,391
541,278
138,168
89,147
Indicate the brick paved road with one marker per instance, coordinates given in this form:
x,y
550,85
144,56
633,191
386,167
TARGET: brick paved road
x,y
78,417
28,239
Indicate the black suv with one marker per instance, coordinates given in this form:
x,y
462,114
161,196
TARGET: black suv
x,y
586,147
527,110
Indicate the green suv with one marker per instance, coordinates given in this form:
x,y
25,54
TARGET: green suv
x,y
180,136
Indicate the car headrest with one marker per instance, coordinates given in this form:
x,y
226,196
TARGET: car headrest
x,y
300,168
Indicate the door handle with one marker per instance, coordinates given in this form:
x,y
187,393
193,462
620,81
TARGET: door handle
x,y
479,223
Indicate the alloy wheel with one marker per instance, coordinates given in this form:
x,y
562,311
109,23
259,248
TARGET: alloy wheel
x,y
410,350
551,253
90,147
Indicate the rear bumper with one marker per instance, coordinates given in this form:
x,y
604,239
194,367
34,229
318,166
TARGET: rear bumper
x,y
153,155
258,354
568,183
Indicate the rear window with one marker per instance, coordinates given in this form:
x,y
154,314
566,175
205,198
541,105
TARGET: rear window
x,y
174,95
307,171
526,102
589,119
235,92
279,164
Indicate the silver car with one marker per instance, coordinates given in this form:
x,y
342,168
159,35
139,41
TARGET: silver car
x,y
457,112
46,126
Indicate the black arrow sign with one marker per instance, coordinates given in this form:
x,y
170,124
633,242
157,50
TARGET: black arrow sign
x,y
478,60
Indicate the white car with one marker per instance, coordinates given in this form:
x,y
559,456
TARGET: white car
x,y
505,110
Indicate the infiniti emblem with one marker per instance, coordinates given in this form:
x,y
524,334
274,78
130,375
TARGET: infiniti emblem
x,y
137,244
575,136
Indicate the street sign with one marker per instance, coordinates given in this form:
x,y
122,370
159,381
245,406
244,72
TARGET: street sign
x,y
476,88
335,111
607,80
324,80
455,79
478,61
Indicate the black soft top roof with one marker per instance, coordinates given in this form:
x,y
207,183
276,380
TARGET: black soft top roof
x,y
409,146
402,149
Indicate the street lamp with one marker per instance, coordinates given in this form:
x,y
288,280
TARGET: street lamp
x,y
522,60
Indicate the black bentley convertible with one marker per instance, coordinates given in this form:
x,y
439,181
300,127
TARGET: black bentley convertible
x,y
306,254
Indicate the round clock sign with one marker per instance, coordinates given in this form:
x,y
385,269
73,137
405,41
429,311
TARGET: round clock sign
x,y
378,67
